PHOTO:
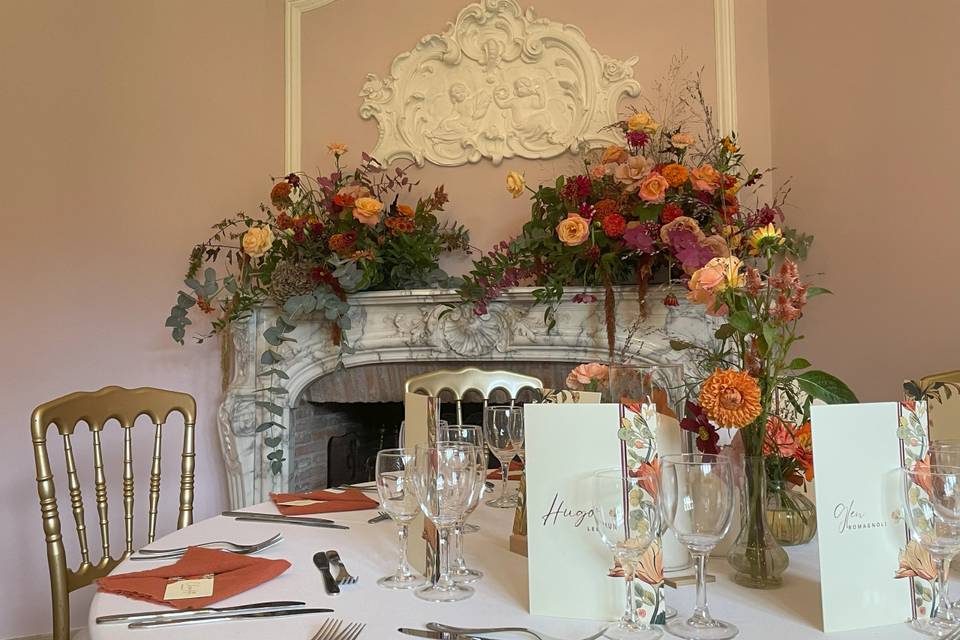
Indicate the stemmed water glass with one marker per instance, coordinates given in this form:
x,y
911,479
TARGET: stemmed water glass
x,y
394,471
444,479
472,435
931,505
696,500
496,434
517,433
945,453
627,524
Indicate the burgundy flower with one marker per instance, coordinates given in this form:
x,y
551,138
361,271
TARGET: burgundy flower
x,y
696,421
577,188
637,139
688,249
584,298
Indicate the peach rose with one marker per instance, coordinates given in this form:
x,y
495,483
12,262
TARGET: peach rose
x,y
676,174
367,211
705,178
515,184
631,172
598,171
257,241
653,188
717,275
590,375
682,140
642,121
574,230
614,153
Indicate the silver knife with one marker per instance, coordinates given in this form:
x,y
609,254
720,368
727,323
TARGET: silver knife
x,y
437,635
270,516
307,522
323,563
278,605
224,616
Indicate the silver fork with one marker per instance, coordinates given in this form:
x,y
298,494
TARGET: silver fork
x,y
436,626
331,630
216,543
380,517
243,551
343,576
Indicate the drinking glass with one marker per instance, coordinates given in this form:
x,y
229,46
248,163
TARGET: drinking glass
x,y
472,435
931,506
627,524
496,434
394,471
517,434
696,500
444,479
945,453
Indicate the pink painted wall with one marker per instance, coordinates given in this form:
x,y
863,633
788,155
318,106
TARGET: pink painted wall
x,y
128,128
864,106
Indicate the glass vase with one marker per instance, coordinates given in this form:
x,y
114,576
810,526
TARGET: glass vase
x,y
791,516
756,555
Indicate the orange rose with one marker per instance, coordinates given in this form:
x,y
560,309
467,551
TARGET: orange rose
x,y
574,230
406,211
367,211
653,188
705,178
614,153
676,174
715,276
682,140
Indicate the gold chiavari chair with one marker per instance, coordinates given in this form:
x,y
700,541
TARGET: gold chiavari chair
x,y
942,393
462,381
96,408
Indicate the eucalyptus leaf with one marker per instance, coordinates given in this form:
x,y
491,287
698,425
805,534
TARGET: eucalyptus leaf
x,y
270,357
300,305
817,291
185,301
681,345
724,331
276,467
274,372
269,424
272,407
273,441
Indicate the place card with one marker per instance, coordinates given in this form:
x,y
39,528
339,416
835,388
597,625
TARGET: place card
x,y
857,453
183,589
571,572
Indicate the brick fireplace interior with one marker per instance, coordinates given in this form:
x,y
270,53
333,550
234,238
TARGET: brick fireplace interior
x,y
335,442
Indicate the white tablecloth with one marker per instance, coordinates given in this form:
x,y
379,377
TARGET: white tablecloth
x,y
789,613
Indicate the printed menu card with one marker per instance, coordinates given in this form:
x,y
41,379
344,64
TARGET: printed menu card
x,y
857,453
572,573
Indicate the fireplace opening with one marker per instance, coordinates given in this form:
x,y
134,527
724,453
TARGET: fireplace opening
x,y
334,442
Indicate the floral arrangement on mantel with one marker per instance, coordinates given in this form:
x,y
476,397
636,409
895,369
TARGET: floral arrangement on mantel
x,y
665,201
321,239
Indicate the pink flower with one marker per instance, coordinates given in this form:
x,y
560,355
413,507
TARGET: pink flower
x,y
781,437
588,376
916,562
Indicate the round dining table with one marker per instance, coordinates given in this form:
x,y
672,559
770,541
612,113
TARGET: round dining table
x,y
791,612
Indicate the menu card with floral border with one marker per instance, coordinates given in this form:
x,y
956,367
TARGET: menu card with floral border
x,y
565,444
857,452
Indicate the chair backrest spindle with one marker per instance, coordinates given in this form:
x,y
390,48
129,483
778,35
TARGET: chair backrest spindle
x,y
76,499
154,496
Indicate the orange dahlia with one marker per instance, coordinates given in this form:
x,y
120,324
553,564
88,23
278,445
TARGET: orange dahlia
x,y
730,398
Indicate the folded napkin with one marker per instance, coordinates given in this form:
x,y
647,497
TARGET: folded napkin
x,y
232,574
515,465
328,502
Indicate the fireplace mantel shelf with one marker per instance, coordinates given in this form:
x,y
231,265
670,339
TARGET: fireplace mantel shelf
x,y
420,325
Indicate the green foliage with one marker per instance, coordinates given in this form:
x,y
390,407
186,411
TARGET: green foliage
x,y
823,386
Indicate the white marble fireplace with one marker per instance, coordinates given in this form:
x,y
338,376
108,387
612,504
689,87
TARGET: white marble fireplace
x,y
426,326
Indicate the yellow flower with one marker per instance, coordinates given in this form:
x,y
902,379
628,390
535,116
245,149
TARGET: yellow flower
x,y
730,398
768,236
574,230
257,241
337,148
515,184
367,210
729,145
642,121
732,191
732,235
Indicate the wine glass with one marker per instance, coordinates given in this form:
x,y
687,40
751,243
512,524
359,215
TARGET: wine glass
x,y
945,453
472,435
394,471
628,523
496,434
515,427
931,506
696,500
444,479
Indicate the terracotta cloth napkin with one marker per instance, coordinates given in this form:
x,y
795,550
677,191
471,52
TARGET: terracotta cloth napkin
x,y
333,501
515,465
232,573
